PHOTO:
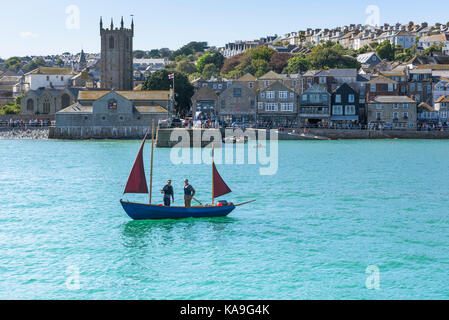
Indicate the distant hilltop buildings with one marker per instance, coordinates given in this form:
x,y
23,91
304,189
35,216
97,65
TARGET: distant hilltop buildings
x,y
354,36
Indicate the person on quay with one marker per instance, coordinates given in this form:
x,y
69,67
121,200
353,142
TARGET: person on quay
x,y
189,193
168,194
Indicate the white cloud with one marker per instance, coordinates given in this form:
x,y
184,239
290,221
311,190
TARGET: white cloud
x,y
28,35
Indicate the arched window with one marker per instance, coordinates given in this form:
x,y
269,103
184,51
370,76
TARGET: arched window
x,y
30,105
111,42
46,105
127,43
65,101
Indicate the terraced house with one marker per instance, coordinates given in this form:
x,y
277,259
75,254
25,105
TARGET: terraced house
x,y
277,106
315,106
345,106
395,112
237,103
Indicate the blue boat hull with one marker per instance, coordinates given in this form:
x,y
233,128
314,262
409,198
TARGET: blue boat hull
x,y
150,212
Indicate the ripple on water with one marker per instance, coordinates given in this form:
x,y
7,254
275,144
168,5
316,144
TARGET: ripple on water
x,y
316,227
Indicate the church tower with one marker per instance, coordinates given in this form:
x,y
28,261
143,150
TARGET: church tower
x,y
117,57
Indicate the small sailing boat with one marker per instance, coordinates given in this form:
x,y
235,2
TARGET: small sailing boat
x,y
137,184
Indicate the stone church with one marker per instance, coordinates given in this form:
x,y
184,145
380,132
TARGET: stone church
x,y
117,57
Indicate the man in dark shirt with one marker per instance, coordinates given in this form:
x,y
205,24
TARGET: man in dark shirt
x,y
168,193
189,193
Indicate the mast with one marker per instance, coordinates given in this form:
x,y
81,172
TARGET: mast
x,y
152,158
213,190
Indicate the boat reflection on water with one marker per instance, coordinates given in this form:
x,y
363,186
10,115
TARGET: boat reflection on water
x,y
143,233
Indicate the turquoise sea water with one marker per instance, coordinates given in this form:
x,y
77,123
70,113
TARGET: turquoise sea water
x,y
332,210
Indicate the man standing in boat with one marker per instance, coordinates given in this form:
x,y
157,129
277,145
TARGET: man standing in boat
x,y
168,193
189,193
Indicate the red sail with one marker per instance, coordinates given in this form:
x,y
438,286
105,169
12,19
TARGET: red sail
x,y
220,187
137,182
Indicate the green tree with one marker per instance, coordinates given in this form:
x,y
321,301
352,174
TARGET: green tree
x,y
385,50
329,55
297,64
13,64
215,58
39,62
433,48
262,52
190,48
210,70
183,88
186,67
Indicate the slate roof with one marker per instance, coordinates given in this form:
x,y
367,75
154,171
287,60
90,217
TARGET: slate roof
x,y
393,99
381,79
130,95
51,71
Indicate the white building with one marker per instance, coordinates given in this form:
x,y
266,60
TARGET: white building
x,y
402,38
44,77
426,42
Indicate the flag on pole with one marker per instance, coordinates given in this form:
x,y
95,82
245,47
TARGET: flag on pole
x,y
171,76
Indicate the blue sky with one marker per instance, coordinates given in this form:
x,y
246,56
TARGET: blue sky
x,y
40,27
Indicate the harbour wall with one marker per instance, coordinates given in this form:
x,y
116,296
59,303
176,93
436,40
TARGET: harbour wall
x,y
377,134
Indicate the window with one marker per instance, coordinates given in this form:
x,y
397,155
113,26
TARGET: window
x,y
112,104
338,98
378,106
46,107
294,83
220,86
350,110
62,78
405,115
270,94
419,86
395,116
351,98
251,85
271,107
283,94
322,80
48,78
292,95
260,105
337,110
405,105
304,97
262,95
324,97
30,105
267,83
378,116
287,107
412,87
223,104
127,43
314,98
390,87
237,92
111,42
395,106
373,87
253,103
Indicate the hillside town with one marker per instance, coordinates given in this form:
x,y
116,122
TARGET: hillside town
x,y
392,77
